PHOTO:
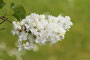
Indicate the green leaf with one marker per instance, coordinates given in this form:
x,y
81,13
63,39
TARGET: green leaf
x,y
12,4
2,4
19,11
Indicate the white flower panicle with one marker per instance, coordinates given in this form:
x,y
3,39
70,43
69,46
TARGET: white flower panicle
x,y
39,29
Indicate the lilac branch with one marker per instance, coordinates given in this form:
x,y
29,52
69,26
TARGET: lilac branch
x,y
2,28
2,22
5,19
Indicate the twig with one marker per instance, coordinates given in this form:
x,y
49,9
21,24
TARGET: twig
x,y
5,19
2,28
2,22
9,21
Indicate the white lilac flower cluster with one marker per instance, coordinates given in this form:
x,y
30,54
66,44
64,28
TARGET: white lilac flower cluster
x,y
39,29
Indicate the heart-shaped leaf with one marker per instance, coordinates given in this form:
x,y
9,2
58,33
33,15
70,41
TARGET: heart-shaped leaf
x,y
19,11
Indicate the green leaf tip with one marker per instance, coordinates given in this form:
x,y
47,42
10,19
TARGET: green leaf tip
x,y
12,4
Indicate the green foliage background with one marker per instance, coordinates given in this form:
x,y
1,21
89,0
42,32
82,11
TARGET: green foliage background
x,y
75,46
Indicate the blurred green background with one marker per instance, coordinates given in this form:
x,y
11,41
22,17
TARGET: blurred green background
x,y
75,46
